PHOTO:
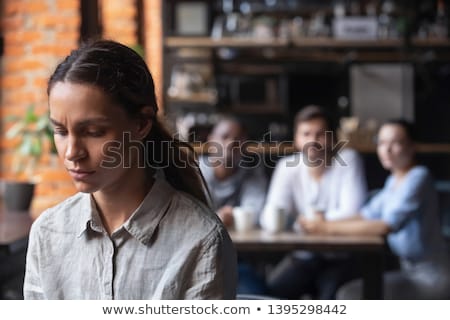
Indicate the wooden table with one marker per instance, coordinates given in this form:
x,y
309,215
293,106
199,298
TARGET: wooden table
x,y
14,230
369,248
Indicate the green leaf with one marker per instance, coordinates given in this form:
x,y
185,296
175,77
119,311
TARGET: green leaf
x,y
30,116
42,122
27,145
15,130
36,147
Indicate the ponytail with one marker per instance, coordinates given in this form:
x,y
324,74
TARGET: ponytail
x,y
177,159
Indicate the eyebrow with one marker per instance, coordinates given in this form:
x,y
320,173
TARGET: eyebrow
x,y
82,123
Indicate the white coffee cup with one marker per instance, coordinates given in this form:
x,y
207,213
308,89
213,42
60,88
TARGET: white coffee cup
x,y
276,219
243,219
310,213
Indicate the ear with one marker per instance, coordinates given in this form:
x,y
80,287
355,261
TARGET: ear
x,y
145,121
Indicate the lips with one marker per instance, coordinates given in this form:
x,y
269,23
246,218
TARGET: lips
x,y
78,174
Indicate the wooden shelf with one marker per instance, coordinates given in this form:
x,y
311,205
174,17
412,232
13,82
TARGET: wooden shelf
x,y
207,42
431,42
324,42
285,148
341,43
197,98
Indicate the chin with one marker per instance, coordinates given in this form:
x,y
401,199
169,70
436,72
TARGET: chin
x,y
387,165
315,156
85,188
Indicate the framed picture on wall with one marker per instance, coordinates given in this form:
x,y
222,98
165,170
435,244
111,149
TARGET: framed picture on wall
x,y
191,18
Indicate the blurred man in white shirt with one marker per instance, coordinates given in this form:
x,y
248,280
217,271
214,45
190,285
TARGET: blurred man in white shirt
x,y
319,182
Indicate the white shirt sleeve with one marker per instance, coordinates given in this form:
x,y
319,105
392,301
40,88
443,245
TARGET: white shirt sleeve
x,y
280,195
32,288
351,188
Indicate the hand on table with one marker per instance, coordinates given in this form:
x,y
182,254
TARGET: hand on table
x,y
316,225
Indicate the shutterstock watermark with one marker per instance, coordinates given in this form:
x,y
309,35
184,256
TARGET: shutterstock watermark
x,y
249,153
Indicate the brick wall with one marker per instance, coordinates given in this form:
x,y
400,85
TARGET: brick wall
x,y
154,44
118,19
37,35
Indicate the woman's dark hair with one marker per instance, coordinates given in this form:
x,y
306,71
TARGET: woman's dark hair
x,y
406,125
312,112
124,76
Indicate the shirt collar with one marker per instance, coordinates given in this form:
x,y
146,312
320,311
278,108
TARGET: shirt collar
x,y
142,222
89,216
146,218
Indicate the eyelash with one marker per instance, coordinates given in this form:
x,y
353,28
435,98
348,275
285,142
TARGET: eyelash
x,y
59,132
94,134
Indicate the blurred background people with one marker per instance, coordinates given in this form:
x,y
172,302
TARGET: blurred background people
x,y
317,183
232,182
406,211
235,183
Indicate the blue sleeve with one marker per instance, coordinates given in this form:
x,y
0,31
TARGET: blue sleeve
x,y
409,201
372,210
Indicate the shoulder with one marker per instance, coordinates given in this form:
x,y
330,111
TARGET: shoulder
x,y
194,219
349,155
290,163
206,168
420,172
419,175
62,217
203,163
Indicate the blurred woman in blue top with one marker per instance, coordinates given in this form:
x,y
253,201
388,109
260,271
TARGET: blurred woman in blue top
x,y
406,211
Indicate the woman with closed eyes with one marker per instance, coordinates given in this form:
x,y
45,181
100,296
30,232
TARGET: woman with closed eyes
x,y
140,226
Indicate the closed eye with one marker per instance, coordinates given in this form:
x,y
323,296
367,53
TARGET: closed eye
x,y
95,133
59,131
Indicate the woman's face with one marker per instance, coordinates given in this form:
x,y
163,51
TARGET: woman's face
x,y
395,149
85,121
310,138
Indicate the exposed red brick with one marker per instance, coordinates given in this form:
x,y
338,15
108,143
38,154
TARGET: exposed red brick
x,y
37,35
68,5
22,37
52,49
14,50
21,65
12,82
12,23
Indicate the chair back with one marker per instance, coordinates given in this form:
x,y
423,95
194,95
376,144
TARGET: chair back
x,y
443,189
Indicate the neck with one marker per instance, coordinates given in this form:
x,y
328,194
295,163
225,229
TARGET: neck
x,y
401,172
317,171
117,203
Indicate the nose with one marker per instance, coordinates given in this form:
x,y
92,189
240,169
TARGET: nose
x,y
388,148
75,149
315,138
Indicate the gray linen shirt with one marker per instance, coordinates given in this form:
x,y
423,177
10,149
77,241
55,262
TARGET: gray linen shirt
x,y
172,247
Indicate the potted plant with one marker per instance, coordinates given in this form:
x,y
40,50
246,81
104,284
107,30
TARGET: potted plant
x,y
33,135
